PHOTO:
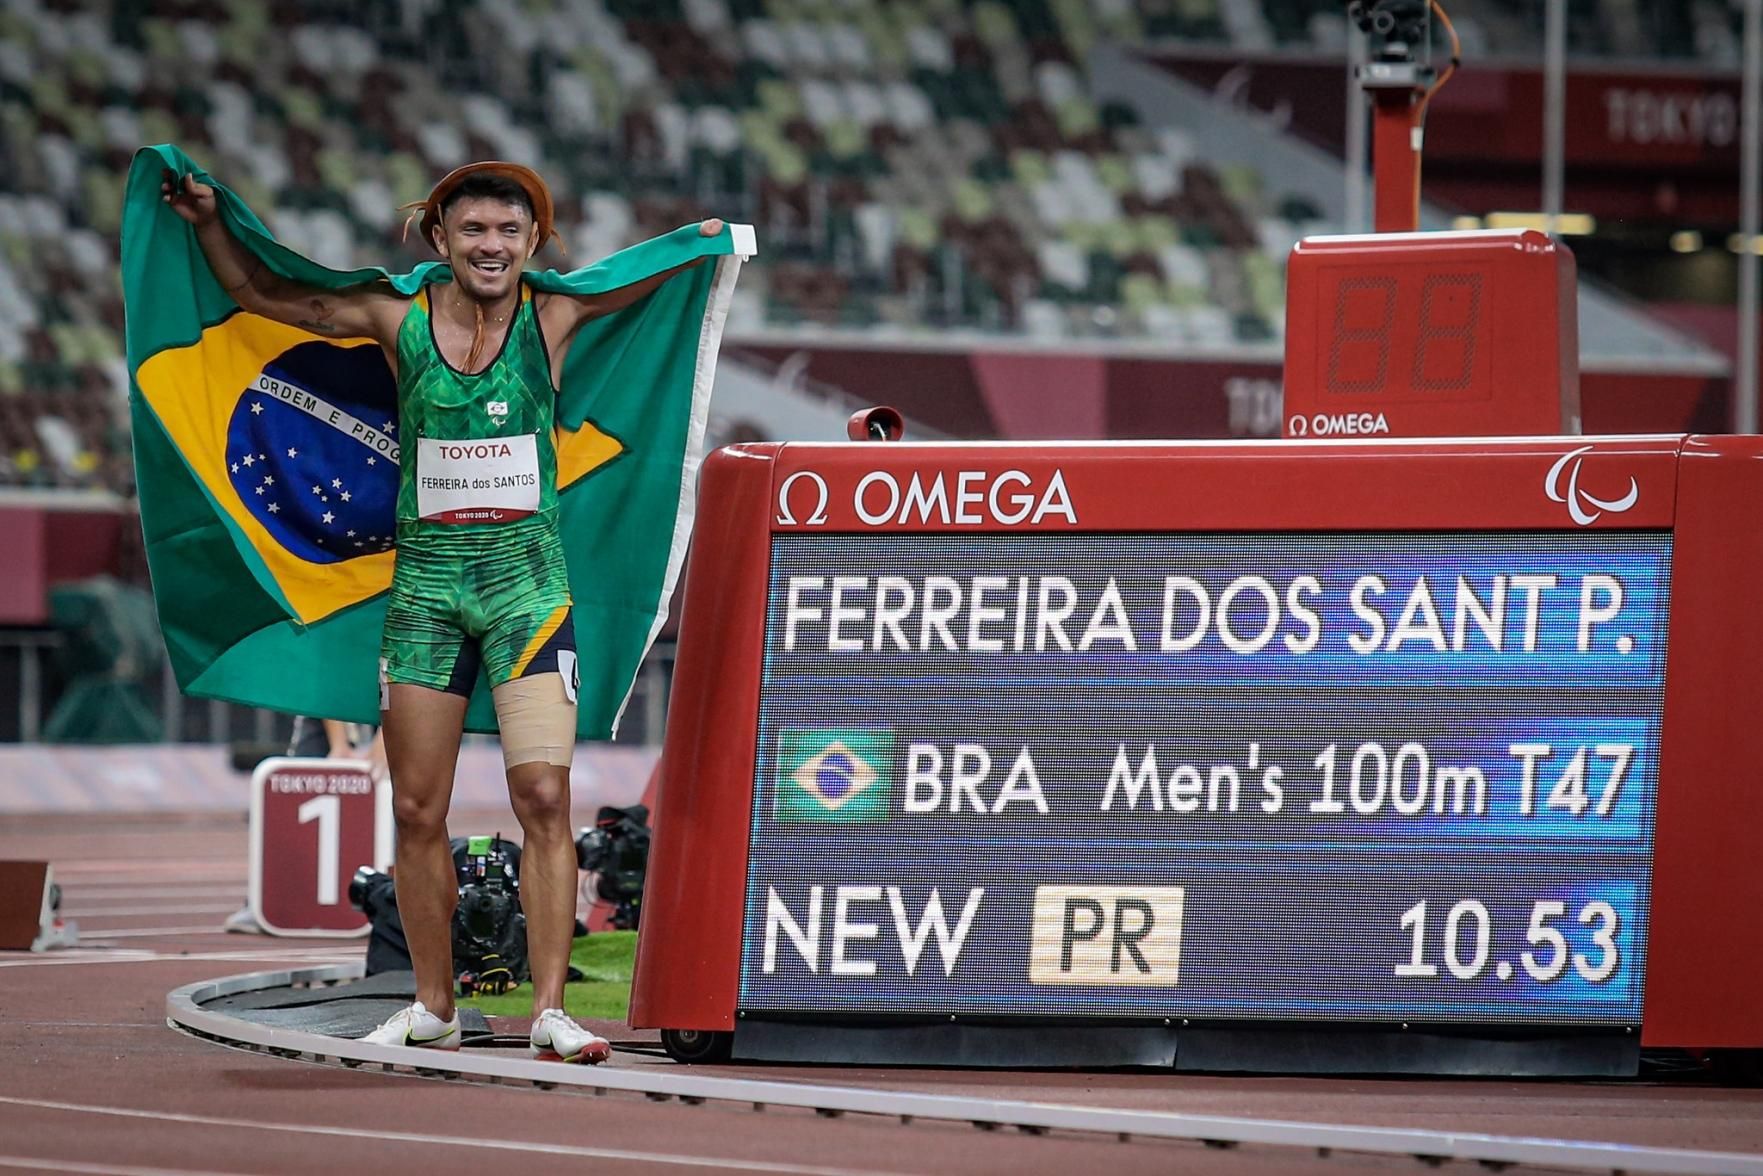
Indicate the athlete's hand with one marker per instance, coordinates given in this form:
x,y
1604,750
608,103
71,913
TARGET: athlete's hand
x,y
189,197
711,227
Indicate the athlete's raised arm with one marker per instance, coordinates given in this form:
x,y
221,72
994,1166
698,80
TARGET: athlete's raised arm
x,y
371,311
562,314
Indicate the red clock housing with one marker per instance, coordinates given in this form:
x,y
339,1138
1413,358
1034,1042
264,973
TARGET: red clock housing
x,y
1452,334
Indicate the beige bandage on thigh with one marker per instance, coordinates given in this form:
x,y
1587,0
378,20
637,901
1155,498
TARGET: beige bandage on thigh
x,y
537,719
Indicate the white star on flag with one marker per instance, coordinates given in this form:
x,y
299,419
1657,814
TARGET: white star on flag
x,y
372,461
292,452
386,428
328,516
257,410
268,480
249,460
260,491
318,489
274,509
235,467
345,496
350,535
336,482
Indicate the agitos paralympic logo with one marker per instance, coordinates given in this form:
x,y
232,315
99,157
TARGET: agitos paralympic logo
x,y
1577,500
841,775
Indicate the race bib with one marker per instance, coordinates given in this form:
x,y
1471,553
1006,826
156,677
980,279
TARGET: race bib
x,y
489,481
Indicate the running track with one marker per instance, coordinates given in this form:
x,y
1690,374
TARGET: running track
x,y
91,1080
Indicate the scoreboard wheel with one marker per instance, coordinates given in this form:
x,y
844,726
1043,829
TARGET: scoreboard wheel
x,y
697,1046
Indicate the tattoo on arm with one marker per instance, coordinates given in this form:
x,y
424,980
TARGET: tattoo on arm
x,y
320,320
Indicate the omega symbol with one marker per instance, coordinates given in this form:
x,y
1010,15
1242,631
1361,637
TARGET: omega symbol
x,y
817,516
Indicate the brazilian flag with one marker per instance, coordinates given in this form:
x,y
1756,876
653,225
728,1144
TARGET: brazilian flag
x,y
267,461
834,775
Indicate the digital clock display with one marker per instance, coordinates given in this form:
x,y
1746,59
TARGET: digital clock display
x,y
1431,335
1403,332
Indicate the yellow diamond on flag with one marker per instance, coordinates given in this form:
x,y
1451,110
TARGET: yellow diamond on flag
x,y
835,775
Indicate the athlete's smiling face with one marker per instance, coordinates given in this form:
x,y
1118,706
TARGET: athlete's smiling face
x,y
486,241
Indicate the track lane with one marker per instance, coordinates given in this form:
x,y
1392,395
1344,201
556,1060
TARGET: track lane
x,y
84,1028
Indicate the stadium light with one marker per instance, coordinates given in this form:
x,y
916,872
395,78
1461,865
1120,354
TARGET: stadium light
x,y
1567,224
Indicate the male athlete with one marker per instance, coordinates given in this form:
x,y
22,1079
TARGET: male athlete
x,y
478,358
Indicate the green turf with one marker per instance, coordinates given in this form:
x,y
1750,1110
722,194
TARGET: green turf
x,y
605,956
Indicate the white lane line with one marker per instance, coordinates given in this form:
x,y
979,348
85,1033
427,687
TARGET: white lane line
x,y
148,932
112,874
171,880
135,912
724,1163
34,1024
75,956
168,877
230,883
56,1164
85,890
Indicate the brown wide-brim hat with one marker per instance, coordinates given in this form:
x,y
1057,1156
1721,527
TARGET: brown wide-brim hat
x,y
544,211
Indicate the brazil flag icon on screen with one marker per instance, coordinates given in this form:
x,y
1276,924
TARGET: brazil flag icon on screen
x,y
834,775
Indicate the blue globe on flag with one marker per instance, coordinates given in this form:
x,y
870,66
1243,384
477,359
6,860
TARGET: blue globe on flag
x,y
312,451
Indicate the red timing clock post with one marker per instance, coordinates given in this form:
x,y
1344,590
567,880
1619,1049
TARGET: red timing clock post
x,y
1451,334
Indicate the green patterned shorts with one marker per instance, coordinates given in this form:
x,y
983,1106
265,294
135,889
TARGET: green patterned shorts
x,y
470,599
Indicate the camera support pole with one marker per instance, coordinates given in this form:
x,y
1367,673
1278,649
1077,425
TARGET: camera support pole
x,y
1397,90
1399,80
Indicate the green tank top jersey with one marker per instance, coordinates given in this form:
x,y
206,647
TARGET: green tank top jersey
x,y
508,400
492,593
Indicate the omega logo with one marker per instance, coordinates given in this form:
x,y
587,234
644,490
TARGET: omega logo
x,y
816,517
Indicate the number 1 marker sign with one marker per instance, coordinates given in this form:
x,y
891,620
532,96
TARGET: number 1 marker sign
x,y
314,822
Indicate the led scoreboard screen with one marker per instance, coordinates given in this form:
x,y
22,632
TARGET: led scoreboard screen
x,y
1320,776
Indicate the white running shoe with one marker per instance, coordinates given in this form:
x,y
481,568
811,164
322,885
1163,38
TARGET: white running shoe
x,y
416,1026
556,1038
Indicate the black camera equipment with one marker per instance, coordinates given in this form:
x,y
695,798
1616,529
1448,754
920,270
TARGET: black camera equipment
x,y
489,929
615,849
1400,30
371,893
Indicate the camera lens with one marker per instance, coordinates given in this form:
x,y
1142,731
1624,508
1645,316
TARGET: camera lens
x,y
361,885
592,849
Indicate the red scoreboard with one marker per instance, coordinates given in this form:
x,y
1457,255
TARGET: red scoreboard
x,y
1421,755
1453,334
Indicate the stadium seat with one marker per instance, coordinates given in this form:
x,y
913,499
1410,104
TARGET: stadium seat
x,y
938,162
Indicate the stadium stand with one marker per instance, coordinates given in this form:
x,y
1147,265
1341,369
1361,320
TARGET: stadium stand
x,y
918,164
